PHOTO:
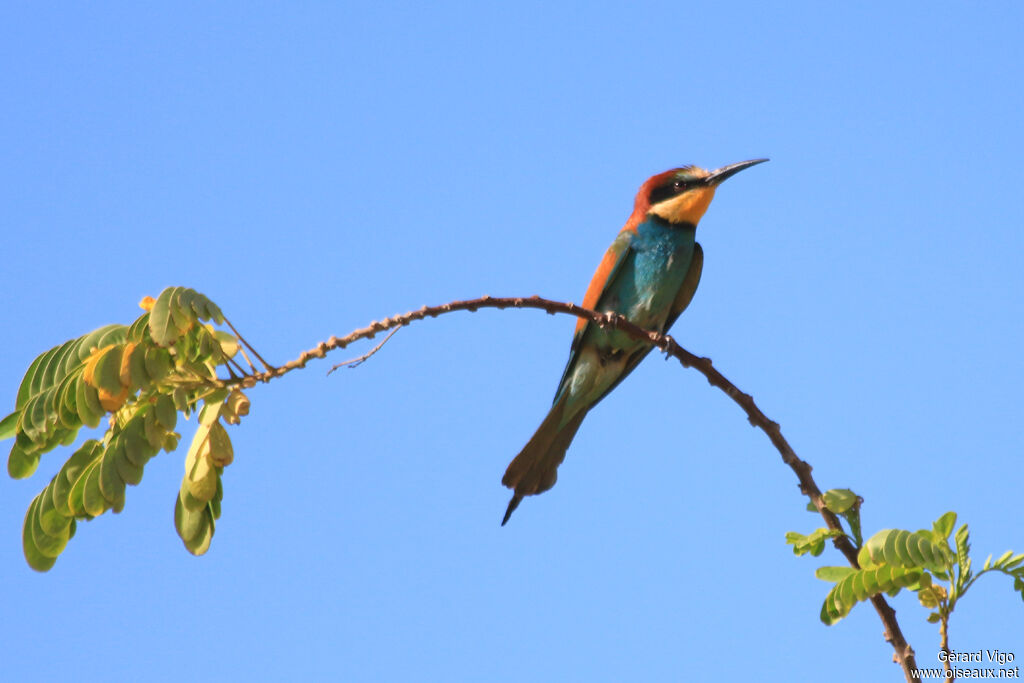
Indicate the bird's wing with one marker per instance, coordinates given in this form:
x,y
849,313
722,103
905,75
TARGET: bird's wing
x,y
610,265
689,288
682,300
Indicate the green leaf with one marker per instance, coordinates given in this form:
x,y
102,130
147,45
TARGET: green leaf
x,y
199,471
163,328
943,526
813,544
1014,562
82,458
864,558
852,517
861,585
77,474
158,363
170,442
137,369
194,528
97,339
182,305
139,331
901,548
25,388
128,470
840,500
217,497
48,370
1003,559
182,400
92,497
35,379
932,554
35,558
176,311
207,347
201,543
21,464
214,312
220,451
9,425
227,341
53,521
962,540
190,502
166,414
112,486
137,448
50,546
87,403
67,411
154,434
833,574
36,420
65,437
107,375
59,490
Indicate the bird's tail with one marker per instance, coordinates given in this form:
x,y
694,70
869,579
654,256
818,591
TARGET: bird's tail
x,y
535,469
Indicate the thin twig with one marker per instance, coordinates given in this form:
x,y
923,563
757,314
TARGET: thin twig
x,y
256,353
231,361
903,654
241,350
944,637
356,362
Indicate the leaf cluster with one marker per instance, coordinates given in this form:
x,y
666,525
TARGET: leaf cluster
x,y
922,561
139,377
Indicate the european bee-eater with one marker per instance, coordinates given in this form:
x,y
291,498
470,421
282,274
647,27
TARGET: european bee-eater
x,y
649,275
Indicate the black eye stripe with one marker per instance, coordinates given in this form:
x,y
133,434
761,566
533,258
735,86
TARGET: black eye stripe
x,y
669,190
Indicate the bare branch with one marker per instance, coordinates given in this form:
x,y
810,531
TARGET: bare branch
x,y
903,654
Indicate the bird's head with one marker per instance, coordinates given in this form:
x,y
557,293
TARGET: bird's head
x,y
682,195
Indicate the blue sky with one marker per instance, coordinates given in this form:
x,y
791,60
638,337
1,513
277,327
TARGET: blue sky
x,y
314,166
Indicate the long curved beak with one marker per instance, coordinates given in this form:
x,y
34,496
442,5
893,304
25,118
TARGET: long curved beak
x,y
719,175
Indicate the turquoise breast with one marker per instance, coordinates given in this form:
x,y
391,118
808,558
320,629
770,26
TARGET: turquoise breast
x,y
653,273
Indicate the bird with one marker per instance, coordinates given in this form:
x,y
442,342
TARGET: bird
x,y
649,275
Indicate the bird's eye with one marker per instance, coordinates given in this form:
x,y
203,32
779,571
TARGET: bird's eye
x,y
679,184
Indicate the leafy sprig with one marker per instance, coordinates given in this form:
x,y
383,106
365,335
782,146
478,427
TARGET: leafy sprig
x,y
139,377
893,559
